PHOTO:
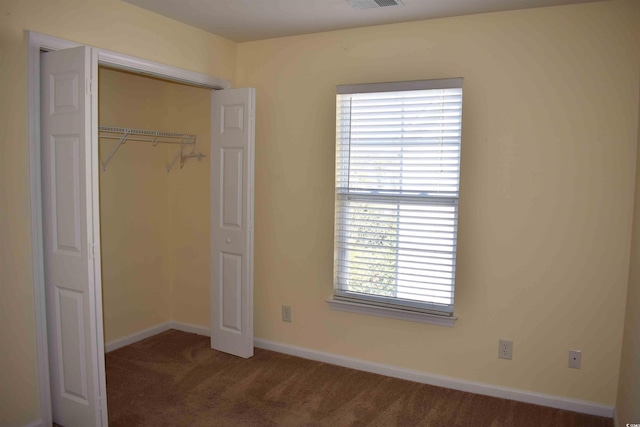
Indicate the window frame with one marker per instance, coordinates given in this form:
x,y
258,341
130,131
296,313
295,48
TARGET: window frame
x,y
387,306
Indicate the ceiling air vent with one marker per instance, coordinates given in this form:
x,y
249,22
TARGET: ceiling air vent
x,y
371,4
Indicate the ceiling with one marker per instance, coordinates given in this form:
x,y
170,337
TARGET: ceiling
x,y
247,20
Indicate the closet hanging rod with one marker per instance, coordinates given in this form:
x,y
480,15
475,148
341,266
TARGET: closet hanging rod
x,y
155,137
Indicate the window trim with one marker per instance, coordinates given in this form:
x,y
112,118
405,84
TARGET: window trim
x,y
363,305
391,313
400,86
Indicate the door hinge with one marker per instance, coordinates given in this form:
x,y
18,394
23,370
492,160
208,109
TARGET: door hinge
x,y
89,87
99,411
92,251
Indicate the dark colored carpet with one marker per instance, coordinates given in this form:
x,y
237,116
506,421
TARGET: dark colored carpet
x,y
175,379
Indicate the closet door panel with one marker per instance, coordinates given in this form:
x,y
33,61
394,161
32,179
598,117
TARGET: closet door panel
x,y
74,328
232,163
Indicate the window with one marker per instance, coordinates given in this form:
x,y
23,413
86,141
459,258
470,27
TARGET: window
x,y
397,186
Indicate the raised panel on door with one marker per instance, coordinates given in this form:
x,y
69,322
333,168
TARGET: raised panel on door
x,y
65,193
230,298
231,169
72,359
232,163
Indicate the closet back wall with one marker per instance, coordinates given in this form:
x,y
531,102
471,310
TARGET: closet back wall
x,y
154,224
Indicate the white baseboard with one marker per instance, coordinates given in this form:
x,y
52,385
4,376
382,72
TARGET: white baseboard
x,y
37,423
130,339
552,401
194,329
585,407
155,330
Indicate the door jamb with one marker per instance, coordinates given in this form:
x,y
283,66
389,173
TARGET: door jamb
x,y
38,42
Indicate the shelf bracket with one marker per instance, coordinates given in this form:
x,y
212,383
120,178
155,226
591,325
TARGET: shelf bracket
x,y
115,149
175,158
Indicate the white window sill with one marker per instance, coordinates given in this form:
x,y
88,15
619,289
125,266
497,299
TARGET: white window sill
x,y
393,313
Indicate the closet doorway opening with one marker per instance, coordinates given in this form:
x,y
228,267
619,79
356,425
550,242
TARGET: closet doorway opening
x,y
64,178
154,204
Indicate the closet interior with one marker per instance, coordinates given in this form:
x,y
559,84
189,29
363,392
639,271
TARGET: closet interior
x,y
154,146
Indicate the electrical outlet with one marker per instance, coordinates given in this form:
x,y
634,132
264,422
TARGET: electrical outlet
x,y
505,349
575,358
286,313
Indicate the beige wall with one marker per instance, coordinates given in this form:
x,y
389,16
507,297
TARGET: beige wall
x,y
627,407
154,224
109,24
134,219
189,210
548,168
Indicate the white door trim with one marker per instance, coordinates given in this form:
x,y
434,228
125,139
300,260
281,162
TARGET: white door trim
x,y
42,42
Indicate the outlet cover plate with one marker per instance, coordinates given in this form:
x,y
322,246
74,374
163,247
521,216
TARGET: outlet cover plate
x,y
575,359
505,349
286,313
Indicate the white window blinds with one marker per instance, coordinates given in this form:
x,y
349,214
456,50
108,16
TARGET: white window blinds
x,y
397,183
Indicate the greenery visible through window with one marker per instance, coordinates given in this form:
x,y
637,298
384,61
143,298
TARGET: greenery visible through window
x,y
397,187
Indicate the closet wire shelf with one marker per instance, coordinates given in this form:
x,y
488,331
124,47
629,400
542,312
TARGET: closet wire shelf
x,y
154,137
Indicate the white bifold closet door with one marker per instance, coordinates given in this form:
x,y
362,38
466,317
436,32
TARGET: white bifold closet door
x,y
71,230
70,234
232,166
